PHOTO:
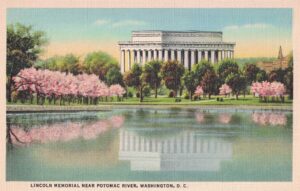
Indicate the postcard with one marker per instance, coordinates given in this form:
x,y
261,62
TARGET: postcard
x,y
150,96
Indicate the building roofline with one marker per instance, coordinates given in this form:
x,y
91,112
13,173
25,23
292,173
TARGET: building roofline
x,y
170,31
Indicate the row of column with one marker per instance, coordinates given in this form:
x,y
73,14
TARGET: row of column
x,y
187,57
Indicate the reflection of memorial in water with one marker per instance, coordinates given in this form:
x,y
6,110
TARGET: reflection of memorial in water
x,y
187,151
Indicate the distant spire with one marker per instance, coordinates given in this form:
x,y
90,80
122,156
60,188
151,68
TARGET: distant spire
x,y
280,55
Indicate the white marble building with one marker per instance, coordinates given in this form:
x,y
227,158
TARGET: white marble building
x,y
187,47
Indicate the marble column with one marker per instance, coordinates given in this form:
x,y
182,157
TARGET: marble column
x,y
186,59
160,55
166,56
192,57
172,54
138,55
144,57
206,55
212,56
232,54
219,55
228,53
154,54
223,54
179,56
129,59
150,55
122,61
199,56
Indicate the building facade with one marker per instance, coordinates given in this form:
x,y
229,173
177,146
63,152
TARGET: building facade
x,y
186,47
280,62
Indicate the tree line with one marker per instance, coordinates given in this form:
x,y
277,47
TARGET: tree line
x,y
205,75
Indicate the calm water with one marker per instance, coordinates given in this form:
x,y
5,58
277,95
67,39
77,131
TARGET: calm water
x,y
150,145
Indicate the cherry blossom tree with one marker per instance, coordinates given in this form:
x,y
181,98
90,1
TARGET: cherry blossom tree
x,y
198,91
117,90
265,89
55,85
225,90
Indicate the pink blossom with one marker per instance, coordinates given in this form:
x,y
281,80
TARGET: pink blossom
x,y
198,91
55,83
225,89
116,90
265,89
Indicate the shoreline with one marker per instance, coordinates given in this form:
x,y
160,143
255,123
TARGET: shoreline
x,y
57,108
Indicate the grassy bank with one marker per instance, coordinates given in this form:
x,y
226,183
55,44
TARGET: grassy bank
x,y
243,102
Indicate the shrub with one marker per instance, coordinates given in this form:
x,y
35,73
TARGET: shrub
x,y
186,95
130,94
195,97
146,91
137,94
171,94
178,100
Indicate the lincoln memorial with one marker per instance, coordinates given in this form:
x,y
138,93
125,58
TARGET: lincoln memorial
x,y
187,47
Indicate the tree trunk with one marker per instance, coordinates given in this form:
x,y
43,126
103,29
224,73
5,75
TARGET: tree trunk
x,y
237,96
155,91
209,96
9,84
191,97
37,98
141,94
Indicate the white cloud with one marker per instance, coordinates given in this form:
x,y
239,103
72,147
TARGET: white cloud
x,y
128,23
100,22
248,26
120,23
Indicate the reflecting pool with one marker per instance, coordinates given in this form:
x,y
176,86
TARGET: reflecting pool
x,y
150,144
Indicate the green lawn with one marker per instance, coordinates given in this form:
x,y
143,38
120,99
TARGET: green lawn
x,y
248,100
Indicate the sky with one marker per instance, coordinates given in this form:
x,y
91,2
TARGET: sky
x,y
256,32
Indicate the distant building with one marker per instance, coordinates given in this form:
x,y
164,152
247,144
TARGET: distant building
x,y
187,47
280,62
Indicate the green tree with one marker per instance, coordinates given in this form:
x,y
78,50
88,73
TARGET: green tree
x,y
227,67
261,76
114,76
237,82
201,68
134,78
208,82
99,63
68,63
250,72
288,77
22,49
172,72
277,75
190,82
152,75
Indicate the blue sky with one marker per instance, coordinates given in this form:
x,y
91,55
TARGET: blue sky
x,y
269,27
